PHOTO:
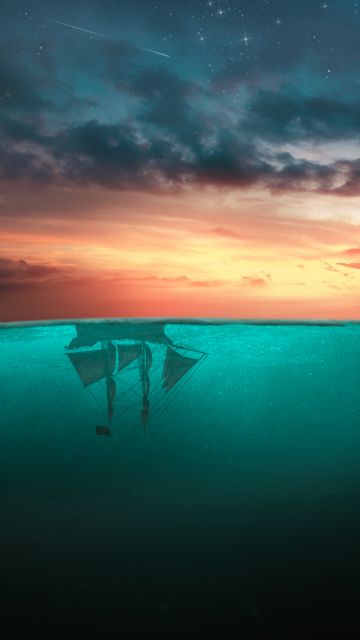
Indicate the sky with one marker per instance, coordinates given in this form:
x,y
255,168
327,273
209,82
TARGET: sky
x,y
193,158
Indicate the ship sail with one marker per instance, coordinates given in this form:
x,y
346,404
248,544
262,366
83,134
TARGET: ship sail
x,y
175,367
127,354
92,366
110,358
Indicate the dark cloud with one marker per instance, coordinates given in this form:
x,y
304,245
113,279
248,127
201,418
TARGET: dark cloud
x,y
119,156
290,114
18,165
351,183
169,104
15,274
32,85
79,109
23,83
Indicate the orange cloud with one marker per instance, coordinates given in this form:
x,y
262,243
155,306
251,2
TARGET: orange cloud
x,y
225,233
206,283
351,252
196,254
255,282
352,265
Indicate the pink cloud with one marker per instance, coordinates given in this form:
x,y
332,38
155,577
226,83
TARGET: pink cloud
x,y
206,283
352,265
352,252
255,282
226,233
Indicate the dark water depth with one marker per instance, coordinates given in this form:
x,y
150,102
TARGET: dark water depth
x,y
221,494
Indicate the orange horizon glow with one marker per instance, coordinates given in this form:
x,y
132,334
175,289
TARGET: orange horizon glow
x,y
203,253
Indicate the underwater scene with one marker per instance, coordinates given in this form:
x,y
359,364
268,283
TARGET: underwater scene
x,y
180,478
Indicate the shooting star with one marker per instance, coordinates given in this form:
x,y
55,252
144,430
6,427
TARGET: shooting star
x,y
103,35
158,53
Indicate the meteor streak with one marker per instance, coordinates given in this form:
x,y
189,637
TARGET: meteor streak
x,y
72,26
103,35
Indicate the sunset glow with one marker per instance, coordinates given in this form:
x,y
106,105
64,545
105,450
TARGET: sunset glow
x,y
179,189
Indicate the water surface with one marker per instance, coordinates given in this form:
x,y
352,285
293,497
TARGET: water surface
x,y
230,508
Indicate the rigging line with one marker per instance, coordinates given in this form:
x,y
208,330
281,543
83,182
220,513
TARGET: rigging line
x,y
169,401
169,397
155,387
131,406
102,385
158,400
126,370
178,389
160,407
131,388
95,398
154,394
155,363
118,402
180,346
175,392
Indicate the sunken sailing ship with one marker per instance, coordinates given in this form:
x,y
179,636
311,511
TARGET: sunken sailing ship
x,y
102,353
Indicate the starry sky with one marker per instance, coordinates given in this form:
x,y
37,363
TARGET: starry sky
x,y
191,158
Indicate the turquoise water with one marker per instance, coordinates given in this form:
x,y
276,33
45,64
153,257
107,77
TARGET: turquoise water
x,y
235,509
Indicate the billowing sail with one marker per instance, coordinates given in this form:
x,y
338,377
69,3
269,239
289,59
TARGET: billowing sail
x,y
92,366
175,367
127,354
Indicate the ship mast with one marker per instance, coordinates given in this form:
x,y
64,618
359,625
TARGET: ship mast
x,y
110,388
145,384
103,364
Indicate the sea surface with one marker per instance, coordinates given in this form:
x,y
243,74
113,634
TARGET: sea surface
x,y
221,495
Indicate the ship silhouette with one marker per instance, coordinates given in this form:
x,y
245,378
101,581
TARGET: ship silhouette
x,y
104,353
